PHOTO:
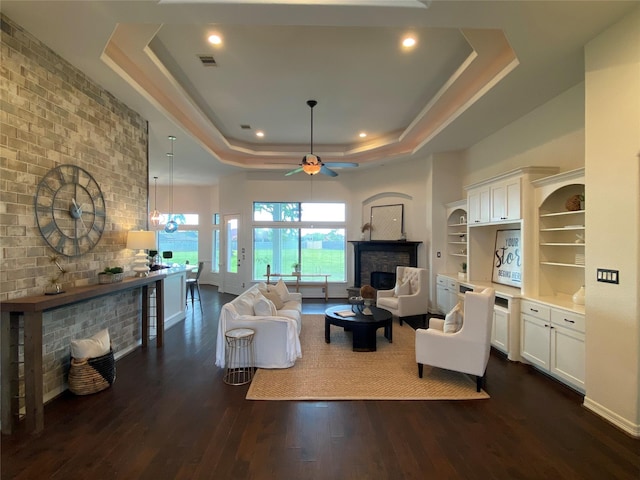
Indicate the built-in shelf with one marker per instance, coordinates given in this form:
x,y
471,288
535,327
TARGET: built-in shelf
x,y
457,235
563,229
559,264
561,234
561,214
552,244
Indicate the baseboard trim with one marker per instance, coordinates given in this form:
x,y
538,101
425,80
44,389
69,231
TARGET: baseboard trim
x,y
612,417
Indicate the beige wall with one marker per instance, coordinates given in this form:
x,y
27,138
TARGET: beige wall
x,y
551,135
613,222
53,114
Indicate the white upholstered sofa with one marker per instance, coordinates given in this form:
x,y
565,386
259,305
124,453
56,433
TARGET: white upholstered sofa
x,y
277,330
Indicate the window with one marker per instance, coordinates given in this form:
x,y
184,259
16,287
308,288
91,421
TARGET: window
x,y
184,242
312,235
215,250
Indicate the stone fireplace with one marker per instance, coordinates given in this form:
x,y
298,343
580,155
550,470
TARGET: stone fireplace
x,y
375,261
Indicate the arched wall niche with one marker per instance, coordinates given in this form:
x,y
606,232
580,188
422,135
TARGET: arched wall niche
x,y
386,203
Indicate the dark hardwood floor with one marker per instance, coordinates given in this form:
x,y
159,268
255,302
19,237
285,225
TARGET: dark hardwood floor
x,y
170,416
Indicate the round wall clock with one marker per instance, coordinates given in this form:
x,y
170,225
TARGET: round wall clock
x,y
70,210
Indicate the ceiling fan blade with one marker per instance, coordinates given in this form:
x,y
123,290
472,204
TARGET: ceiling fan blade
x,y
341,164
327,171
297,170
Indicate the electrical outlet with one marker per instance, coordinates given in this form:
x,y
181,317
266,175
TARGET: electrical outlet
x,y
438,254
608,276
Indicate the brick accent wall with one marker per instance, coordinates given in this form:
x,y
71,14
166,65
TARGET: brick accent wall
x,y
52,114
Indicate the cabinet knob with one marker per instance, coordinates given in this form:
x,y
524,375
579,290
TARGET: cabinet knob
x,y
533,310
570,321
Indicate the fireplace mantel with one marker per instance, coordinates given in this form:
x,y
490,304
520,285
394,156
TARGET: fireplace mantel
x,y
393,247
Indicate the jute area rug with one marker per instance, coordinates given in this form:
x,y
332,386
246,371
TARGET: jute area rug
x,y
334,372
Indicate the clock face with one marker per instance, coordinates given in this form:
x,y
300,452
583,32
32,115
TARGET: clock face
x,y
70,210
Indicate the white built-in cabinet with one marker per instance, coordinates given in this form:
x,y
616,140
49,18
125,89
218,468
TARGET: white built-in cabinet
x,y
536,322
446,293
478,205
553,341
500,330
504,200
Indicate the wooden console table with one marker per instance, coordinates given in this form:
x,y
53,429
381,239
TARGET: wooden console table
x,y
32,308
299,276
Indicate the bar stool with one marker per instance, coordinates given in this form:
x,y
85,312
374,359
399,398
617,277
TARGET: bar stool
x,y
239,358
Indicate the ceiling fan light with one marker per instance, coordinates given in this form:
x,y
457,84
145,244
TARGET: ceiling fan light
x,y
311,169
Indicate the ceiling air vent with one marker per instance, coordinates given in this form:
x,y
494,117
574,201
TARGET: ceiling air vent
x,y
208,60
245,127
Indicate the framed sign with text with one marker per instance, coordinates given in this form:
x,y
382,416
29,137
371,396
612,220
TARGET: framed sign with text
x,y
507,258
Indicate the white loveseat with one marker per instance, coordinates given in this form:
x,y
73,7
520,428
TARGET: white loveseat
x,y
277,334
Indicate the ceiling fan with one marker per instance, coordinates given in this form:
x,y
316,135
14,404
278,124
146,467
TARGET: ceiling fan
x,y
311,164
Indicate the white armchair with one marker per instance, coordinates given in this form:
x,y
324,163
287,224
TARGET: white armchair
x,y
410,297
466,350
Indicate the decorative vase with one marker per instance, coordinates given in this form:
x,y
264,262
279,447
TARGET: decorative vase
x,y
578,297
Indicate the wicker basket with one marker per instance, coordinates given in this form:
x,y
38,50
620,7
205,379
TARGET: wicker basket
x,y
92,375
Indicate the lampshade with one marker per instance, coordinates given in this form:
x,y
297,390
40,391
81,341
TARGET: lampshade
x,y
141,240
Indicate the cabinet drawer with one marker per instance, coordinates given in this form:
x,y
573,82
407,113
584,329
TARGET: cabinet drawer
x,y
441,280
537,310
571,320
452,284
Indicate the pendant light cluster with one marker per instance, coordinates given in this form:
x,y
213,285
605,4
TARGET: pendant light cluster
x,y
171,225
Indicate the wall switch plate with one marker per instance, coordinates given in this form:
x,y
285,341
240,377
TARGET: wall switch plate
x,y
608,276
438,254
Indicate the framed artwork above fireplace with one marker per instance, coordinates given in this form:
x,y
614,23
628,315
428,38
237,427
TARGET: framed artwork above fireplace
x,y
387,222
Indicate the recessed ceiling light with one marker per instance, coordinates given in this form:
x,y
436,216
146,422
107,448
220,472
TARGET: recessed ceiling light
x,y
362,134
408,42
215,39
259,133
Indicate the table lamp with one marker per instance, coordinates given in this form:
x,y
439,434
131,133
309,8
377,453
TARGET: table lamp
x,y
141,240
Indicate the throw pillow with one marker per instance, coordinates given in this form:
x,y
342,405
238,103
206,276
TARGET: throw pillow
x,y
274,297
453,319
264,307
282,290
92,347
244,305
402,289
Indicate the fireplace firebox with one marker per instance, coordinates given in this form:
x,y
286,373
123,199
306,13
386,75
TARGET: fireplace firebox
x,y
383,280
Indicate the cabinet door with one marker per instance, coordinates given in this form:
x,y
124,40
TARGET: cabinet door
x,y
442,298
500,330
567,356
535,340
505,200
478,203
512,192
452,294
498,202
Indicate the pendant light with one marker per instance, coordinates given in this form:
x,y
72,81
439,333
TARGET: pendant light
x,y
155,216
171,225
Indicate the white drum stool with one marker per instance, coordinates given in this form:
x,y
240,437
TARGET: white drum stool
x,y
239,358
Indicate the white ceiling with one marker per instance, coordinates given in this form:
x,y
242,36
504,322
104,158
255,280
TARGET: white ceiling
x,y
477,66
